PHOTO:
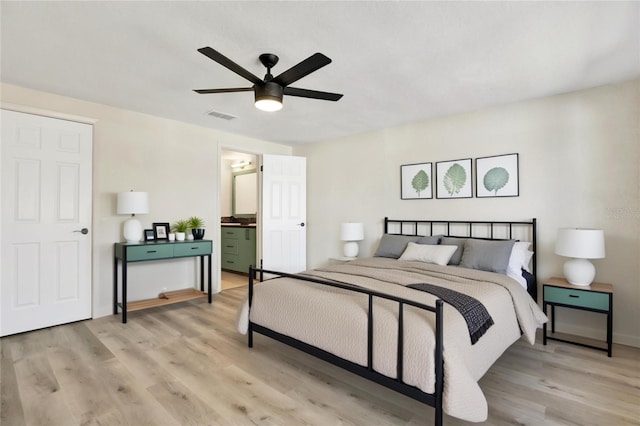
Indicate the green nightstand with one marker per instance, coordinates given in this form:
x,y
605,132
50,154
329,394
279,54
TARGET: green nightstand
x,y
597,297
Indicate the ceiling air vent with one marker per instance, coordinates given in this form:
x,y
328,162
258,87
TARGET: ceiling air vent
x,y
218,114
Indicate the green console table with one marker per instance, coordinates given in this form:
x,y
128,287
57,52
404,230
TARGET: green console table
x,y
159,250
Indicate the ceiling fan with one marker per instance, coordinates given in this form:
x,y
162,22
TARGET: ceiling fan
x,y
270,90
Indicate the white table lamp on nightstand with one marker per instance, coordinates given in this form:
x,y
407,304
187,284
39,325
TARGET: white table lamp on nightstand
x,y
351,232
580,244
133,203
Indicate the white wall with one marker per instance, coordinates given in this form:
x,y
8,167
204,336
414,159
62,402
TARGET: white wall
x,y
177,163
579,162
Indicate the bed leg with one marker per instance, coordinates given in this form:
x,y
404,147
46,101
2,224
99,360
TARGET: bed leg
x,y
439,363
250,336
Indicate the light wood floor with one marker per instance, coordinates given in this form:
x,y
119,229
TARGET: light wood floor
x,y
185,364
232,280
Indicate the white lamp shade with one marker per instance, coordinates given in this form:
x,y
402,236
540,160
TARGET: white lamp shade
x,y
133,202
352,231
580,243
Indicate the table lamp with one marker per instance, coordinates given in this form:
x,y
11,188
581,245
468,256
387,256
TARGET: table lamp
x,y
133,203
580,244
351,232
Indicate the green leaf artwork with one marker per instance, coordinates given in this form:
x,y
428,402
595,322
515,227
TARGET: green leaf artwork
x,y
454,179
495,179
420,181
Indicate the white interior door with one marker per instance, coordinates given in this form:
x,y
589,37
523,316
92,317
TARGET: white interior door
x,y
284,213
45,277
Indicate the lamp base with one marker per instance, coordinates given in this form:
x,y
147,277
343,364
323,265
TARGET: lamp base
x,y
579,271
351,249
132,230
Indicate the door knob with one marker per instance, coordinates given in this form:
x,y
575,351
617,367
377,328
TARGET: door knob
x,y
301,224
83,231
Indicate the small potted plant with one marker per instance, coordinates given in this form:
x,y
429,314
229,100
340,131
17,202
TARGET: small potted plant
x,y
180,227
197,227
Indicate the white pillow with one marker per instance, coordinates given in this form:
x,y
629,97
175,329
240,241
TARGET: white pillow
x,y
520,257
439,254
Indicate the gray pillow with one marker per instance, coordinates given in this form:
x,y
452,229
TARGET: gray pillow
x,y
394,245
492,256
452,241
431,240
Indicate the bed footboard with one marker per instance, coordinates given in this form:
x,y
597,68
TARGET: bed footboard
x,y
396,384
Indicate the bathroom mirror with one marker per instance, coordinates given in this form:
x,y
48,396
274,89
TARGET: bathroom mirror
x,y
245,193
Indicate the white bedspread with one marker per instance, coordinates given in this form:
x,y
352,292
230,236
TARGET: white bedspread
x,y
336,321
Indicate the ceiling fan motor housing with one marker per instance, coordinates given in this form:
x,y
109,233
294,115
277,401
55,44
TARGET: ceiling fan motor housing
x,y
270,90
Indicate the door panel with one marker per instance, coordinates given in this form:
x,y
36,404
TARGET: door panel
x,y
284,213
45,278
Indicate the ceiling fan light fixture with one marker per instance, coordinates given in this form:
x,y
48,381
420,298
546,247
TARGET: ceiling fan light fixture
x,y
269,97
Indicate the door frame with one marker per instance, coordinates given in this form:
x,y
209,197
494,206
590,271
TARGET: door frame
x,y
258,155
69,117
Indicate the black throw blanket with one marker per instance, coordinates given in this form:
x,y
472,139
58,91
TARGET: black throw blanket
x,y
474,313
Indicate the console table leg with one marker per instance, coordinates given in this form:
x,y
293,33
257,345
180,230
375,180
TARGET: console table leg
x,y
201,273
115,286
209,277
124,291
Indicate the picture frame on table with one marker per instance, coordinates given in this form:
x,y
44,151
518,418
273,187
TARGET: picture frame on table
x,y
453,179
416,181
149,235
498,176
161,230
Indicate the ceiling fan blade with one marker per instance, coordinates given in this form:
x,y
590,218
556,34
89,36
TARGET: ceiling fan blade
x,y
313,94
306,67
228,63
236,89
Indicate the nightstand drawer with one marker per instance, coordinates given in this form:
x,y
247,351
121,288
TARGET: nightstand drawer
x,y
149,252
229,246
580,298
192,249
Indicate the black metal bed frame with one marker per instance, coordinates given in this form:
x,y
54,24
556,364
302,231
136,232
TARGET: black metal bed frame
x,y
434,399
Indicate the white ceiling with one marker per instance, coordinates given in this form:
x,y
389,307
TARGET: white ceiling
x,y
395,62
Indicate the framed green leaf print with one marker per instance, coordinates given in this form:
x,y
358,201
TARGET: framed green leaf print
x,y
416,181
497,176
453,179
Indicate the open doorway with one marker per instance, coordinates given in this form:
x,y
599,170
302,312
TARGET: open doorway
x,y
239,213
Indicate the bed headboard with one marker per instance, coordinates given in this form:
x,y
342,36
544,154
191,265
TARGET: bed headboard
x,y
480,229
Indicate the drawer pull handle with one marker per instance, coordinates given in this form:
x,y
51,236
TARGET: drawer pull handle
x,y
151,251
229,246
230,261
574,296
195,248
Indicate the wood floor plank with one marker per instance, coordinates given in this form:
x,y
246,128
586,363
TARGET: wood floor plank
x,y
187,364
136,359
190,362
184,405
43,402
11,411
104,392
